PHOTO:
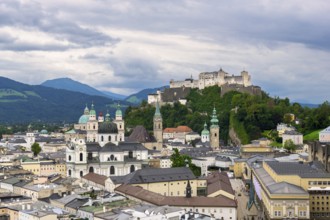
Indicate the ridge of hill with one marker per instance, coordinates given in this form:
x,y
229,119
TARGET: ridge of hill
x,y
75,86
21,103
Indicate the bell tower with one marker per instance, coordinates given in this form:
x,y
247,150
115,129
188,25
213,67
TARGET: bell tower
x,y
158,124
214,131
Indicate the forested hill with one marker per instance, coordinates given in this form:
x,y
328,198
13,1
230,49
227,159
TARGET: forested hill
x,y
249,115
21,103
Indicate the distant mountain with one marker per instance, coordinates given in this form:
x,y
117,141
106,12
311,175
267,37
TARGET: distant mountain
x,y
309,105
137,98
114,95
72,85
25,103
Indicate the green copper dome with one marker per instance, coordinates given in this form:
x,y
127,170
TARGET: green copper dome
x,y
92,111
119,112
205,131
108,127
83,119
214,120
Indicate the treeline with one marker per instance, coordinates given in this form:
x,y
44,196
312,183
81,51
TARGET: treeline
x,y
251,114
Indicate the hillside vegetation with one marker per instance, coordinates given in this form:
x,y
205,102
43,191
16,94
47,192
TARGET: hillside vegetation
x,y
21,103
249,115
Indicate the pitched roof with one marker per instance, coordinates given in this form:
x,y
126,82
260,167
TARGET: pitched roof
x,y
159,200
141,135
219,181
152,175
179,129
96,178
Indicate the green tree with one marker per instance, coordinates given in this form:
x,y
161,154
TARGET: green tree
x,y
181,160
36,149
289,145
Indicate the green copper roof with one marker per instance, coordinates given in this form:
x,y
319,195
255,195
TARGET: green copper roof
x,y
118,111
214,120
107,117
86,110
205,131
157,112
83,119
92,111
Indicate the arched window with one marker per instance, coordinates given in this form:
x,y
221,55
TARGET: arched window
x,y
102,138
81,173
158,126
69,158
81,156
91,169
120,126
112,157
109,138
132,168
215,134
69,172
130,154
112,170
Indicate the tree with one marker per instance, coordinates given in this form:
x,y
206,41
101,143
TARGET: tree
x,y
289,145
35,149
181,160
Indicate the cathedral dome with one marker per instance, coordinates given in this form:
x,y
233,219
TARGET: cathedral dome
x,y
83,119
108,127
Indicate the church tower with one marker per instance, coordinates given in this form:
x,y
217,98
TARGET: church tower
x,y
214,130
92,125
158,124
120,123
205,134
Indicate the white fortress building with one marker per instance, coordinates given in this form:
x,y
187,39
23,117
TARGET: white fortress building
x,y
219,78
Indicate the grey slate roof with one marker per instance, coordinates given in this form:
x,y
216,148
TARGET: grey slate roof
x,y
278,188
285,188
141,135
302,170
77,203
174,94
93,147
122,146
151,175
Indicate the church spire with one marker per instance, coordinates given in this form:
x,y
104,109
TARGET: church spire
x,y
214,120
157,112
188,190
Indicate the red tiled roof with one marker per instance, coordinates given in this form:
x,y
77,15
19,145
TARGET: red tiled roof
x,y
179,129
96,178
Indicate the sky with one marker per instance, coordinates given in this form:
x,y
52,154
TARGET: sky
x,y
125,46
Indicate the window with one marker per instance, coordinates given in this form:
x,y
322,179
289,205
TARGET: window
x,y
112,170
69,158
81,156
81,173
91,169
112,157
69,171
132,168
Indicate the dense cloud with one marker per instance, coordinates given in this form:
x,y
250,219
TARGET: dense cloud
x,y
124,46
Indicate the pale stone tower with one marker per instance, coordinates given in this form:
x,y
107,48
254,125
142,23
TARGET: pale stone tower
x,y
92,126
158,124
205,134
214,130
120,123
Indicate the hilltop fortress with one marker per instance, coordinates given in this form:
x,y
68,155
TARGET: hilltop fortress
x,y
179,90
219,78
